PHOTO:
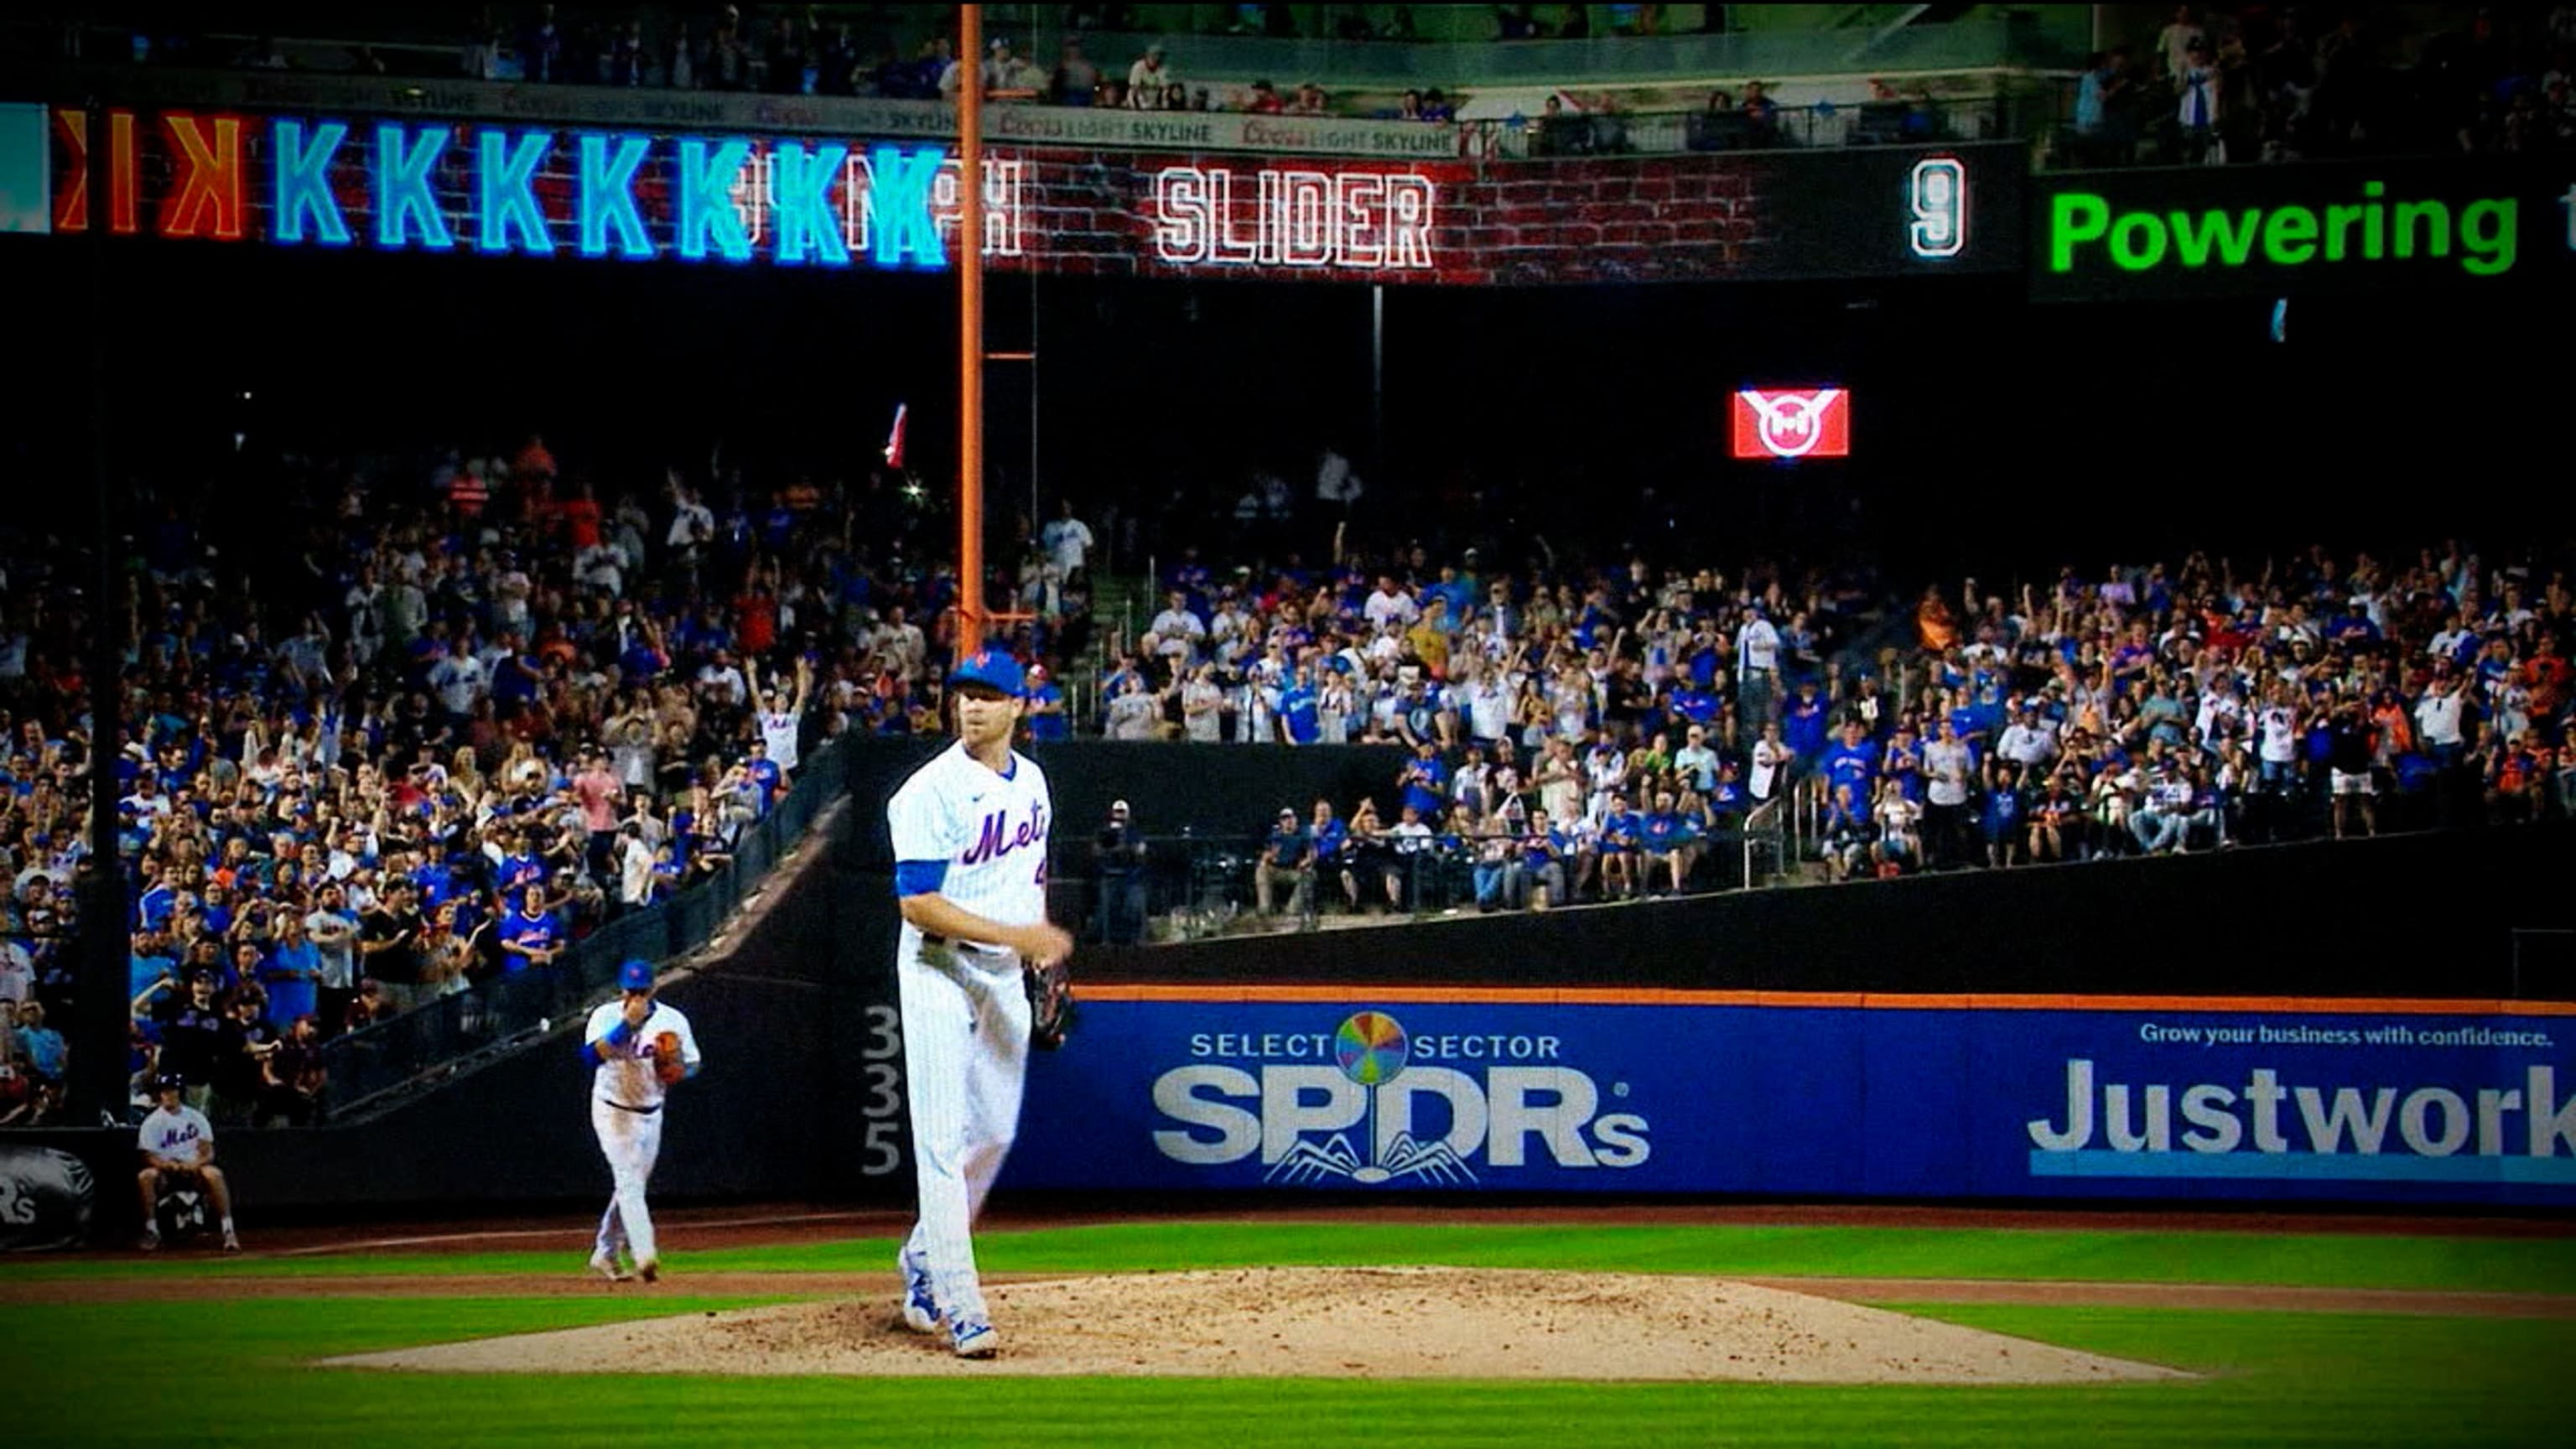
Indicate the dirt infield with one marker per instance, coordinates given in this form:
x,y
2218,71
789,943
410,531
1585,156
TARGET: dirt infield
x,y
1376,1323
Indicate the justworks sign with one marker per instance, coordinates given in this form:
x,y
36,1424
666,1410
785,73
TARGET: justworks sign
x,y
2273,229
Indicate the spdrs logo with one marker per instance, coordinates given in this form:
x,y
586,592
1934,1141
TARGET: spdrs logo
x,y
1369,1103
45,1198
1812,422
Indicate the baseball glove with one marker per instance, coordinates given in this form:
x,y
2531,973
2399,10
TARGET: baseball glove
x,y
667,1062
1051,1005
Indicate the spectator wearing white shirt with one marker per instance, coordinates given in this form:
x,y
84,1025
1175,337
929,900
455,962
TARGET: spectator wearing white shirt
x,y
459,680
1757,654
1203,707
693,527
1149,80
1067,540
2222,712
1489,707
1771,757
2277,732
2440,719
721,683
1175,632
1229,633
1390,606
1946,773
1133,711
2027,740
1695,762
902,641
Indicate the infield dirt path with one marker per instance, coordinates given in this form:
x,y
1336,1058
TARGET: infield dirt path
x,y
1373,1323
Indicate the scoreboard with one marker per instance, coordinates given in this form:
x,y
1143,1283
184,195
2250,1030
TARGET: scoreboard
x,y
612,194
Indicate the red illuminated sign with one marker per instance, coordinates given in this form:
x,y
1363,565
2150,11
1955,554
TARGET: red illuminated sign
x,y
1793,422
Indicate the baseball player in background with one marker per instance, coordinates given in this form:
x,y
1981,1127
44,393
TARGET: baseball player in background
x,y
970,847
178,1149
639,1049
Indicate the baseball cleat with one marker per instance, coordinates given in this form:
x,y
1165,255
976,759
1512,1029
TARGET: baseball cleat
x,y
231,1244
974,1338
148,1243
650,1271
920,1309
605,1265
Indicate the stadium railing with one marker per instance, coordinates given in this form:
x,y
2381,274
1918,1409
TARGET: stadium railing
x,y
1794,128
369,1065
1201,885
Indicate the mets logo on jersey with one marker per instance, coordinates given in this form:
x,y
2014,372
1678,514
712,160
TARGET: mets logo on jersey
x,y
999,837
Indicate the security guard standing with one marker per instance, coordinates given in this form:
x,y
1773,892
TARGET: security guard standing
x,y
1119,851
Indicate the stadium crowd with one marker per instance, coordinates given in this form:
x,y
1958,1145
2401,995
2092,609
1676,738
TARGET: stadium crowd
x,y
1597,735
473,711
412,730
2223,85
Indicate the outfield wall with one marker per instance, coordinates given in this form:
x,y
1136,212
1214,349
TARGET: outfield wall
x,y
1809,1095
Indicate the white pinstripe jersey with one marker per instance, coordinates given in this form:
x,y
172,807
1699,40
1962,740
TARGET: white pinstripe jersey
x,y
627,1078
989,830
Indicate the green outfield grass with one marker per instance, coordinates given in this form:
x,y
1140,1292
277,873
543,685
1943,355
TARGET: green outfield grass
x,y
231,1373
2326,1260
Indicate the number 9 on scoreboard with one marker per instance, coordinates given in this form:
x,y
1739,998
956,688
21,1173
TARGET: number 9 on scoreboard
x,y
1937,196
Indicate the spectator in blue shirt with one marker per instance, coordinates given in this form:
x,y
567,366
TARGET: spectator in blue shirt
x,y
531,936
1853,760
1663,839
1622,834
2002,815
1425,780
1802,728
522,867
1047,720
1297,702
1347,849
1729,801
1694,703
293,971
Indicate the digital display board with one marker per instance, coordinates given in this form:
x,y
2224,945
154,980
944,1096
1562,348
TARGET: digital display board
x,y
417,184
2458,221
1790,423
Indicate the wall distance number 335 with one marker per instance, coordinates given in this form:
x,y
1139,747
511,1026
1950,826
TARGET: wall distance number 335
x,y
1936,195
883,1109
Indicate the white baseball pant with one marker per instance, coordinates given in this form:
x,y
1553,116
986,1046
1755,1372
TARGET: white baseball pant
x,y
630,1141
966,1049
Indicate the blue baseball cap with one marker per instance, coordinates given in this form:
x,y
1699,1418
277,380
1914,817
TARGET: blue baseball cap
x,y
635,976
991,667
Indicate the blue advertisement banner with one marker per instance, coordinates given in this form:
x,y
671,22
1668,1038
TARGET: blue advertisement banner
x,y
2400,1107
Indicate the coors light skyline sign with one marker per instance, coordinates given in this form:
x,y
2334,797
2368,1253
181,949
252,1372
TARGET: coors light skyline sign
x,y
426,185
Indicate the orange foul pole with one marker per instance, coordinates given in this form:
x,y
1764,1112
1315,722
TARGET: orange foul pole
x,y
971,624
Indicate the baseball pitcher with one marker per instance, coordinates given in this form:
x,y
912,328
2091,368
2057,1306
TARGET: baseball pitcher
x,y
639,1049
970,845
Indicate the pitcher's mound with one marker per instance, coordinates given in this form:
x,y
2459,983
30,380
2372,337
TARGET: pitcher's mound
x,y
1321,1322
